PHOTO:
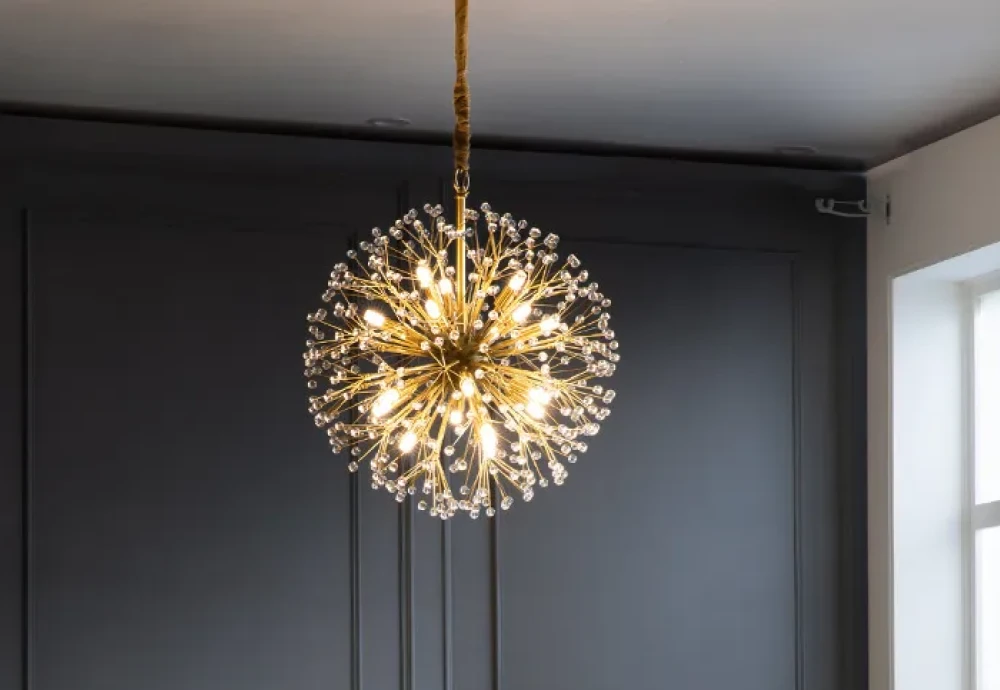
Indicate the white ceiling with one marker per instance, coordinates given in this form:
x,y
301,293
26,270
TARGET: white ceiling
x,y
854,78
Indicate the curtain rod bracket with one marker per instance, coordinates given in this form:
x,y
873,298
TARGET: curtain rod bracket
x,y
852,209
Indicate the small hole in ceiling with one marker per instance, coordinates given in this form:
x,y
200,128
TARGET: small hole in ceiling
x,y
388,122
797,150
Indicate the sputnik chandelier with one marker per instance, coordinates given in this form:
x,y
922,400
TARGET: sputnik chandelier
x,y
459,361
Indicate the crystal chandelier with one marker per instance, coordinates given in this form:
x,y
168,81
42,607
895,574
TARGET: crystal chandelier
x,y
458,361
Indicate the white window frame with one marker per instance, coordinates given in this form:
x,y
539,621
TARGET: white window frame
x,y
978,517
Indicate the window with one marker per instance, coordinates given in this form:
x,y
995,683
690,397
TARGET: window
x,y
984,565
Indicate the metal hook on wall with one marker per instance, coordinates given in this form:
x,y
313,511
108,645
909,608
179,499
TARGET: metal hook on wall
x,y
851,209
833,207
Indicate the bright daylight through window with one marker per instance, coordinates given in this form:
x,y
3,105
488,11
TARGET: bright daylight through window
x,y
986,489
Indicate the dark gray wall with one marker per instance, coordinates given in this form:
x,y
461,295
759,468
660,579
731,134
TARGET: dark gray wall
x,y
185,527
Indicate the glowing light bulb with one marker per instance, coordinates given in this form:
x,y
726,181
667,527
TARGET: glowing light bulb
x,y
548,324
385,402
522,313
424,275
517,281
444,286
408,442
488,439
468,387
540,396
455,417
433,310
374,319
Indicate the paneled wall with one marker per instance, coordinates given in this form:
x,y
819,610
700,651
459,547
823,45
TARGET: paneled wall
x,y
173,520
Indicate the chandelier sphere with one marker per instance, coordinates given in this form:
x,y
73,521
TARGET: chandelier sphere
x,y
462,363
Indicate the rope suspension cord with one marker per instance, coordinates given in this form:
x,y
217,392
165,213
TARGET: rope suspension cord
x,y
462,135
461,139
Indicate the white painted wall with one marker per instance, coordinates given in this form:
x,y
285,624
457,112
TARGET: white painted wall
x,y
945,203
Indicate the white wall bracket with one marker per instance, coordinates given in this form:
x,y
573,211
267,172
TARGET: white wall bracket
x,y
851,209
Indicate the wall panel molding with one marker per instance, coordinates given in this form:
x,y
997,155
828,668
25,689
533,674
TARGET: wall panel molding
x,y
407,629
824,632
13,391
796,556
496,601
78,221
354,525
28,467
447,610
796,469
802,620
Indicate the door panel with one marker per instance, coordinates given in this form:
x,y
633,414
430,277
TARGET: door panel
x,y
668,558
190,532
